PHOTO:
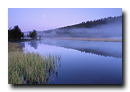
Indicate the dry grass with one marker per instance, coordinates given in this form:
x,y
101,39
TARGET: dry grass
x,y
13,47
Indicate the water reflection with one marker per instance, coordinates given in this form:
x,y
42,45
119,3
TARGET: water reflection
x,y
53,72
33,44
112,49
98,53
50,71
83,68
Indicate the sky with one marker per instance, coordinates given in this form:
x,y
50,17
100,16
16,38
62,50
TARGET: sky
x,y
42,19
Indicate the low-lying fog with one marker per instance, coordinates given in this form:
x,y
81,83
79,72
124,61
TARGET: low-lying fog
x,y
109,30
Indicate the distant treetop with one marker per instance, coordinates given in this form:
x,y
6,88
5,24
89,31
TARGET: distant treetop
x,y
93,23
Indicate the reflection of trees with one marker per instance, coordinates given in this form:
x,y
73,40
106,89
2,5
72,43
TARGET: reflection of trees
x,y
98,53
33,44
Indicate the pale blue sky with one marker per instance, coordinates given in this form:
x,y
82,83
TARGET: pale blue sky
x,y
50,18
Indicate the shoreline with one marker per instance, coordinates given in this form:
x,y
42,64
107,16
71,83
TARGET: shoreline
x,y
87,39
22,40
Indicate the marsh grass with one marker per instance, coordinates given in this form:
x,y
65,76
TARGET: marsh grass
x,y
13,47
31,68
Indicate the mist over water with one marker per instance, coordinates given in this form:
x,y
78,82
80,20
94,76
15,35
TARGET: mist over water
x,y
110,30
84,62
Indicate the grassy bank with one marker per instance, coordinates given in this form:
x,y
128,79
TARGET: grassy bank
x,y
30,68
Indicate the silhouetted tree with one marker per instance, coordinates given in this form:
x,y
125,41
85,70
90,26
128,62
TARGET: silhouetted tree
x,y
9,34
22,34
33,34
15,33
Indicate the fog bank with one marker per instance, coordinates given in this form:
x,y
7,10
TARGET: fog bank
x,y
112,29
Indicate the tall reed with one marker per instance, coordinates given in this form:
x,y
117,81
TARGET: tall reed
x,y
29,67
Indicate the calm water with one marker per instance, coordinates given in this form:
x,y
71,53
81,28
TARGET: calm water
x,y
82,62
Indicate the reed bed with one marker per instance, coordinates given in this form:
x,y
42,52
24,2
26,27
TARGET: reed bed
x,y
29,68
13,47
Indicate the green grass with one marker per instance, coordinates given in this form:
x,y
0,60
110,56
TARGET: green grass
x,y
31,66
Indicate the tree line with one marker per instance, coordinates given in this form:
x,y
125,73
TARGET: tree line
x,y
16,34
87,24
91,23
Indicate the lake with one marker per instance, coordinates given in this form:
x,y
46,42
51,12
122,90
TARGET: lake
x,y
82,62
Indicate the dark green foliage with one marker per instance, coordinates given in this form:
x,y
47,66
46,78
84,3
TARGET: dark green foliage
x,y
33,34
15,33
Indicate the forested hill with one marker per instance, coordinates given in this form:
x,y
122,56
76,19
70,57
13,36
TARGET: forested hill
x,y
89,24
110,27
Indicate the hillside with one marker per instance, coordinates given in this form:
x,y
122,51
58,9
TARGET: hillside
x,y
110,27
90,24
